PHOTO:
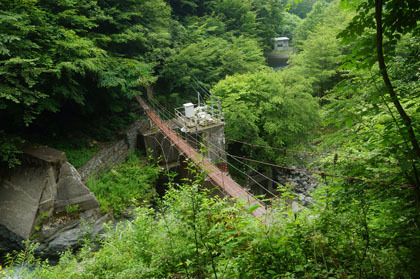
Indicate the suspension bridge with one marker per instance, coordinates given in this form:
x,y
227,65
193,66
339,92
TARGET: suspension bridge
x,y
220,178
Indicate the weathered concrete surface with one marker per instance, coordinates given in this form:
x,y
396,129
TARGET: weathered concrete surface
x,y
44,153
36,193
23,188
71,191
160,148
214,138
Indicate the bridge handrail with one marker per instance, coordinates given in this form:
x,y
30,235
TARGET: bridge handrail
x,y
221,179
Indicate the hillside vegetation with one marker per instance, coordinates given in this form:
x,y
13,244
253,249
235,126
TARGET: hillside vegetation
x,y
350,95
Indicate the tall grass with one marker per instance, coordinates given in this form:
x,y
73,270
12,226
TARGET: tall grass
x,y
131,183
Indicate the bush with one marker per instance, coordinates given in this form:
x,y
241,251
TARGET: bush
x,y
8,150
128,184
78,152
192,235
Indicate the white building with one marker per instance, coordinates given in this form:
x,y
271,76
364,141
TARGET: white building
x,y
281,43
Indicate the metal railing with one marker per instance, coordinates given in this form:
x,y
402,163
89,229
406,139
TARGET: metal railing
x,y
204,116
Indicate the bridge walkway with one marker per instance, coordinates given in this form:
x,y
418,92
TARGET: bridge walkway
x,y
214,173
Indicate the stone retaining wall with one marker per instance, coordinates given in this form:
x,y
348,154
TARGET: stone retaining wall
x,y
116,152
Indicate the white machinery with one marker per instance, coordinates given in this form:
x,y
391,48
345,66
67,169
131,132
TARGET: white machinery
x,y
196,116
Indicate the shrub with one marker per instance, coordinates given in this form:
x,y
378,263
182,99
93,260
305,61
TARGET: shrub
x,y
130,183
192,235
78,151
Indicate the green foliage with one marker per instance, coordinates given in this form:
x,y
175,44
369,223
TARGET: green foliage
x,y
89,57
8,151
372,129
314,18
290,24
367,126
128,184
256,19
19,263
388,24
76,56
303,7
236,15
211,59
399,17
218,38
267,108
36,54
320,52
318,60
72,209
78,151
270,20
344,235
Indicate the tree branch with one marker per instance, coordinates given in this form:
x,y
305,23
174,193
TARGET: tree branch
x,y
379,48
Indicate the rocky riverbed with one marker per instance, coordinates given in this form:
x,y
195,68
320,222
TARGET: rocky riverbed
x,y
301,183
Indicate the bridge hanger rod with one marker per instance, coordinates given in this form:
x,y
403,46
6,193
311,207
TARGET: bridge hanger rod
x,y
225,182
223,151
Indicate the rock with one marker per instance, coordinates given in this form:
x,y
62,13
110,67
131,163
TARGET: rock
x,y
9,241
64,240
302,183
71,235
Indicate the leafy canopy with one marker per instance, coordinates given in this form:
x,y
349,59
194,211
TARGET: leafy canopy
x,y
268,108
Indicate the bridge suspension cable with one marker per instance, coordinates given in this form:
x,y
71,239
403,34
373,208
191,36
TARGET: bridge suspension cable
x,y
224,181
206,91
283,149
223,159
321,173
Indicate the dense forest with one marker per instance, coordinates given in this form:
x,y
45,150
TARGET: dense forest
x,y
350,95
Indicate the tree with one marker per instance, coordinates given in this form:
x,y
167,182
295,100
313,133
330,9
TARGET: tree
x,y
321,53
182,9
270,19
378,20
267,108
315,17
82,56
319,60
289,25
210,60
302,8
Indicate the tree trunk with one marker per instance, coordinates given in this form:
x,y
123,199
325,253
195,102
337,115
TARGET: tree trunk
x,y
379,48
406,119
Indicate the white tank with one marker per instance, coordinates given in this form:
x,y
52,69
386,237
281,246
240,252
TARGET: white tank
x,y
189,110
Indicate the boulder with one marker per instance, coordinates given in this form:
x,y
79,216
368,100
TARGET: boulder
x,y
9,240
302,183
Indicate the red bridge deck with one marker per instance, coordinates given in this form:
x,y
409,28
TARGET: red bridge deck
x,y
215,174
